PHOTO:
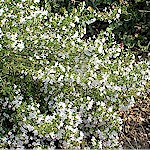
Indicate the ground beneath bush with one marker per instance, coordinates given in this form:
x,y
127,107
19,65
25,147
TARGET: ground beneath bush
x,y
136,126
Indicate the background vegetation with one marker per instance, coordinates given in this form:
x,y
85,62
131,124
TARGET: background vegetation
x,y
69,68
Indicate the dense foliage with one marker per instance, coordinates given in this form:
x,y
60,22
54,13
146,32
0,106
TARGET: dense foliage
x,y
58,89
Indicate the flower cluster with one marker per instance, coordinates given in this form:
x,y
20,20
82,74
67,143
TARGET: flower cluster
x,y
59,90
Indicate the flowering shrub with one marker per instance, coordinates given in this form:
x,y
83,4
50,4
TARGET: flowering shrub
x,y
58,90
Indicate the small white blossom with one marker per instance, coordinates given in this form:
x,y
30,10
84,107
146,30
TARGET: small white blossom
x,y
103,40
110,109
119,11
93,140
60,78
138,93
117,15
22,20
72,24
90,104
76,19
64,28
75,35
1,11
14,36
48,119
100,49
30,128
21,45
102,104
36,1
109,21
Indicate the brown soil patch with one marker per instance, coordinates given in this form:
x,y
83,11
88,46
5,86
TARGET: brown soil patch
x,y
135,133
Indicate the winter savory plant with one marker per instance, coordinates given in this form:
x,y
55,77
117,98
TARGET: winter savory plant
x,y
57,89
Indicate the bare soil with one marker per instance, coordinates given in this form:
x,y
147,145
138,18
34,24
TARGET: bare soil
x,y
135,133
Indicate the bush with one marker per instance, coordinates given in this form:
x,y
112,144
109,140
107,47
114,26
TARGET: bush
x,y
58,90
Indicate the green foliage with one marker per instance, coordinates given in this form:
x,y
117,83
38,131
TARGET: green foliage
x,y
56,6
132,29
57,86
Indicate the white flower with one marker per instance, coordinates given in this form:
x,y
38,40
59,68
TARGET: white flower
x,y
35,132
1,11
9,142
1,33
3,21
48,118
36,1
60,78
64,28
119,11
90,105
117,15
73,43
116,55
15,86
138,93
91,21
62,68
78,117
87,52
93,140
103,40
44,13
62,104
14,37
100,49
105,76
27,29
79,138
78,80
37,57
22,20
100,144
32,115
102,104
52,135
110,109
21,45
72,24
79,40
58,37
109,21
30,128
76,19
40,118
88,98
76,34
